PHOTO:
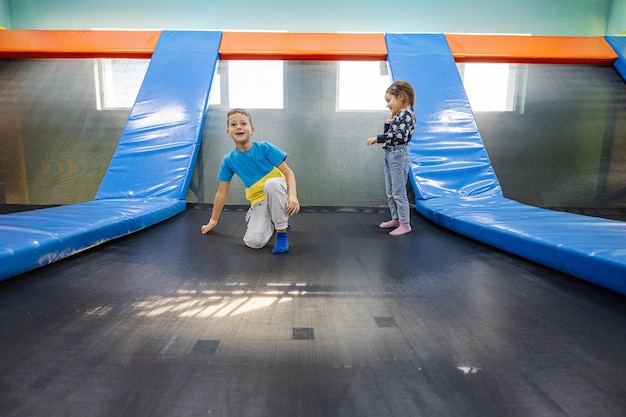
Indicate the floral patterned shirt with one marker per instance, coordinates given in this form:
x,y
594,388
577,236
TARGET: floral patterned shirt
x,y
400,130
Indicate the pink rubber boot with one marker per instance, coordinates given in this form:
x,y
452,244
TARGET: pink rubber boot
x,y
403,229
390,224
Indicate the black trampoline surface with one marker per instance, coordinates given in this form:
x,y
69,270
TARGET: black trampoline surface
x,y
351,322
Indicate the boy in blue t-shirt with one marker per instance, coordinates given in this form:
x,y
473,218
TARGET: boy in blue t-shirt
x,y
270,185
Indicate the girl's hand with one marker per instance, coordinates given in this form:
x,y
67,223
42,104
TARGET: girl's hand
x,y
371,141
390,119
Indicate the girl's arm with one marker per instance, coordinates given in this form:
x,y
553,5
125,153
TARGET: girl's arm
x,y
381,138
401,128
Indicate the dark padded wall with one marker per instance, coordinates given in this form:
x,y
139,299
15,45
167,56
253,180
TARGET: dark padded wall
x,y
566,149
326,148
55,144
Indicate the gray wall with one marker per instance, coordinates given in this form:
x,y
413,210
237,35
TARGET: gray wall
x,y
535,17
617,18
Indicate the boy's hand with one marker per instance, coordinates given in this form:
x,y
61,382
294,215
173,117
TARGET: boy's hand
x,y
206,228
293,205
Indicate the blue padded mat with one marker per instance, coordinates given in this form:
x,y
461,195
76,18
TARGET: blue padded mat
x,y
159,146
446,145
456,187
618,43
36,238
150,171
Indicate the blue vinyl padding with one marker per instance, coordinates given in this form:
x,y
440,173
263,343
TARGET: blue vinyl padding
x,y
618,43
32,239
452,157
151,169
159,146
456,187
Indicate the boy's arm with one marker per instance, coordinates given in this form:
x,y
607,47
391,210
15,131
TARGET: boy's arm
x,y
293,205
218,204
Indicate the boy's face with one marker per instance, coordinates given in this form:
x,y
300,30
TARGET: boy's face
x,y
240,129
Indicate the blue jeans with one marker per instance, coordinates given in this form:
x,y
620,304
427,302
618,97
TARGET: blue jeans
x,y
397,164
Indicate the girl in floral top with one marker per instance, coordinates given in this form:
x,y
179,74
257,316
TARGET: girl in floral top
x,y
399,128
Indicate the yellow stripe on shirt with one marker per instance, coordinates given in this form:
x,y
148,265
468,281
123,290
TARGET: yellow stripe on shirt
x,y
255,193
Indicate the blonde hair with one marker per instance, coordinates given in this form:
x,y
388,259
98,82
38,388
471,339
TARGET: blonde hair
x,y
402,89
243,112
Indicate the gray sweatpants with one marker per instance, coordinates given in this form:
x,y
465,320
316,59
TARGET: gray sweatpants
x,y
261,215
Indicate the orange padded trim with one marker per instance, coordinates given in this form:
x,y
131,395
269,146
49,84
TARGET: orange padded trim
x,y
531,49
77,44
303,46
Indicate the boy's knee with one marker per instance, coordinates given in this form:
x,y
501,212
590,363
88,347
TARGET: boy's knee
x,y
274,184
255,241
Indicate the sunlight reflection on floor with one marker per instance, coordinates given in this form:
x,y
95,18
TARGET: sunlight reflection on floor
x,y
213,303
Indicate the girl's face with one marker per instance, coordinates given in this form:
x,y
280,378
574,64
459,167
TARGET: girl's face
x,y
394,103
240,129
